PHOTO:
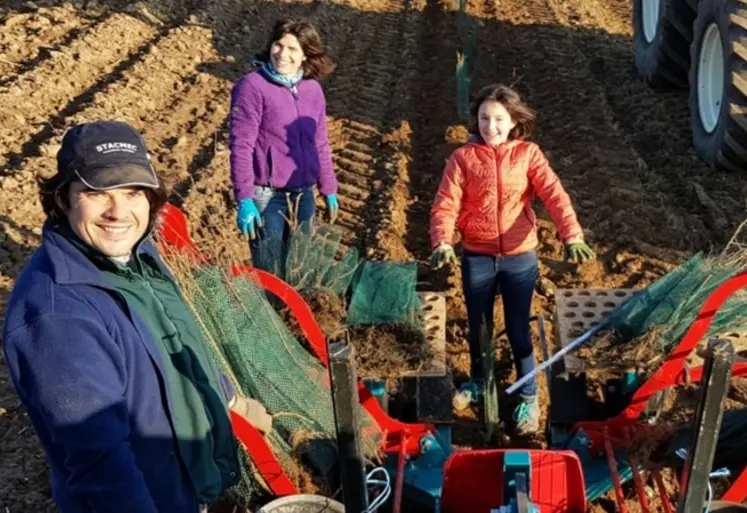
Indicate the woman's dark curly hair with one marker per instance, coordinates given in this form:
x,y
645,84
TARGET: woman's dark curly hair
x,y
520,112
317,65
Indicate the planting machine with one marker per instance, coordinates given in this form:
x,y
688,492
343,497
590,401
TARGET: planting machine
x,y
588,457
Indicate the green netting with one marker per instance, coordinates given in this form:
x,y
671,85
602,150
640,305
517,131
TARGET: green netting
x,y
310,258
672,303
380,292
384,293
267,363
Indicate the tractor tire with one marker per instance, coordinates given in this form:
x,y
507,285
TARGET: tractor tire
x,y
662,33
718,84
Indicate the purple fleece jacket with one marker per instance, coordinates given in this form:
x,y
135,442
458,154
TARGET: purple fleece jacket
x,y
278,138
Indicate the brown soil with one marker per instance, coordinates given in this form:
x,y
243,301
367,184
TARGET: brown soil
x,y
388,352
329,312
384,352
622,150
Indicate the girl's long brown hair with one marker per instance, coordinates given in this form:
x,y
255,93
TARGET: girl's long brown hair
x,y
524,116
317,65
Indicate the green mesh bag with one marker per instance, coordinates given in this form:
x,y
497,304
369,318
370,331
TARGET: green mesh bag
x,y
384,293
270,256
672,303
310,259
266,362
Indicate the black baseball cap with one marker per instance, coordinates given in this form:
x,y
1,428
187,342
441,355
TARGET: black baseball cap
x,y
106,155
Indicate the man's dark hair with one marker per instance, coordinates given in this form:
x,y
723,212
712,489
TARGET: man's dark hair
x,y
54,193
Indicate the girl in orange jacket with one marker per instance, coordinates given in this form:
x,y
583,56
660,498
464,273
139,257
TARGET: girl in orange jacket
x,y
486,193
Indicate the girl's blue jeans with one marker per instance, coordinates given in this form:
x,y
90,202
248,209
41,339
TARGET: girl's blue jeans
x,y
514,278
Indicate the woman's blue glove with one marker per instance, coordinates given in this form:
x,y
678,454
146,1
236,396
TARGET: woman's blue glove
x,y
248,217
333,207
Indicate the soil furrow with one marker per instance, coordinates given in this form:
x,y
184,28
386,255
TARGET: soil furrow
x,y
141,98
27,39
353,192
143,90
178,138
365,67
360,168
27,104
383,99
435,87
390,221
352,155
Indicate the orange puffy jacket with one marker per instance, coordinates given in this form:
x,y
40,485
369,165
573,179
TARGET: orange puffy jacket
x,y
487,193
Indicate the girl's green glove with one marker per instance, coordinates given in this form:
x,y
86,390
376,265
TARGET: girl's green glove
x,y
443,254
579,252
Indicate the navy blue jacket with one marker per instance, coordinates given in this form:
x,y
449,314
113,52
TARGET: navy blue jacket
x,y
91,377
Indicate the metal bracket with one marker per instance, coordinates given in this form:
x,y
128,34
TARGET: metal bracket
x,y
517,476
719,359
347,421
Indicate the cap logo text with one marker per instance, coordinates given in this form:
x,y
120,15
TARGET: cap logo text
x,y
116,147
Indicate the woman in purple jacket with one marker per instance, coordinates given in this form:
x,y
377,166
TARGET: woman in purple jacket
x,y
278,141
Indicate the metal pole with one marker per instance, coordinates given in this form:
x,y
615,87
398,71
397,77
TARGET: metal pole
x,y
585,337
347,420
719,359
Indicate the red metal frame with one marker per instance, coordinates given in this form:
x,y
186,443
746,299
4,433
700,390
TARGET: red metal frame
x,y
663,494
174,232
642,498
738,490
619,431
262,456
399,437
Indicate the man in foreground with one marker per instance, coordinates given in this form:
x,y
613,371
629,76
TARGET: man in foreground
x,y
104,352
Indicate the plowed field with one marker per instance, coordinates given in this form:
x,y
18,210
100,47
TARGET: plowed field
x,y
622,150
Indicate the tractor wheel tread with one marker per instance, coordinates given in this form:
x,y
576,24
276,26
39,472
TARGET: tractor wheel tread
x,y
734,145
682,24
740,20
665,61
725,163
740,83
739,51
675,58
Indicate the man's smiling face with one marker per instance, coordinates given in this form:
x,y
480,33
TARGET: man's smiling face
x,y
112,221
